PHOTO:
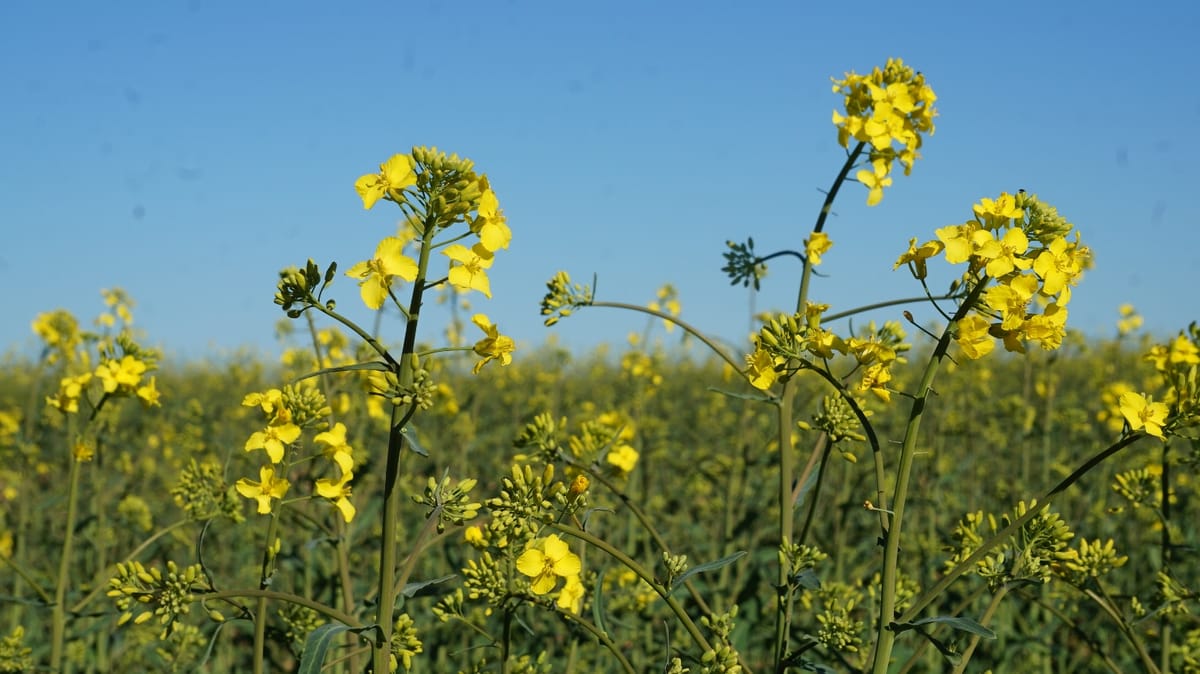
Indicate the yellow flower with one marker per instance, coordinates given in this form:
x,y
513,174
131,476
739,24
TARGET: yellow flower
x,y
394,175
339,493
875,380
915,257
875,180
998,213
973,337
1057,265
70,390
467,267
570,598
268,487
375,275
547,559
1049,328
1142,414
624,457
958,241
336,448
760,369
273,438
269,401
491,225
494,346
473,535
124,374
1011,299
149,393
1004,254
816,246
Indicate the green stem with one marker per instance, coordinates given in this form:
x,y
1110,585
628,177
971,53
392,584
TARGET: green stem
x,y
59,613
704,339
264,581
885,638
1105,603
25,575
645,575
984,620
923,600
327,611
396,447
603,638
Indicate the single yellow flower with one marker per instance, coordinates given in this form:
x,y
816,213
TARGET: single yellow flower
x,y
375,275
1058,266
70,390
875,180
994,214
149,393
273,438
760,369
816,246
491,225
339,493
875,380
494,346
1004,254
1143,414
467,267
546,560
973,337
570,598
915,257
268,487
394,175
624,457
336,448
124,374
957,240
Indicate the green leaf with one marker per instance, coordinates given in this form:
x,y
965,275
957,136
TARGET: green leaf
x,y
410,434
753,397
425,588
318,642
377,365
701,568
961,624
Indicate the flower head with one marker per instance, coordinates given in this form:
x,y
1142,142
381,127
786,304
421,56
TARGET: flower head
x,y
468,265
339,493
336,448
494,346
546,560
1142,414
375,275
394,175
267,488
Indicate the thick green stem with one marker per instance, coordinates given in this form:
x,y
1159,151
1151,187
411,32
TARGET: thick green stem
x,y
396,446
885,638
260,608
58,618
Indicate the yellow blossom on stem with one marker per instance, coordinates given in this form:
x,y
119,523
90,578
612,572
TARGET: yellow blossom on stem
x,y
269,401
124,374
916,256
336,448
973,337
623,457
394,175
957,240
494,346
1049,327
467,267
875,380
273,438
375,275
70,390
570,598
546,560
994,214
1004,254
875,180
267,488
149,393
490,224
815,246
760,369
1143,414
1057,265
1011,299
339,493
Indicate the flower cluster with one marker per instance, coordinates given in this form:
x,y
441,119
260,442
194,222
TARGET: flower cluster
x,y
121,373
563,297
889,108
141,593
1022,244
545,560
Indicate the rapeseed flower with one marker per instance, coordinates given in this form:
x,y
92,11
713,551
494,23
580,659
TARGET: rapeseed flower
x,y
267,488
339,493
336,448
1144,414
546,560
375,275
815,246
394,175
494,346
123,375
916,256
467,267
490,223
973,337
272,439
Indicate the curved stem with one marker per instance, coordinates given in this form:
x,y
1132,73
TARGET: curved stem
x,y
645,575
704,339
891,557
603,638
984,620
327,611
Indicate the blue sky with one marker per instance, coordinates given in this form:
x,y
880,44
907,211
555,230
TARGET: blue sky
x,y
186,151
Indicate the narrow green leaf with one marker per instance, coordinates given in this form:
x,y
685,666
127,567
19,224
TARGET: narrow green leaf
x,y
754,397
410,434
376,365
961,624
425,588
701,568
318,642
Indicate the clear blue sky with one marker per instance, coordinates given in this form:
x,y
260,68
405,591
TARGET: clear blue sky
x,y
186,151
